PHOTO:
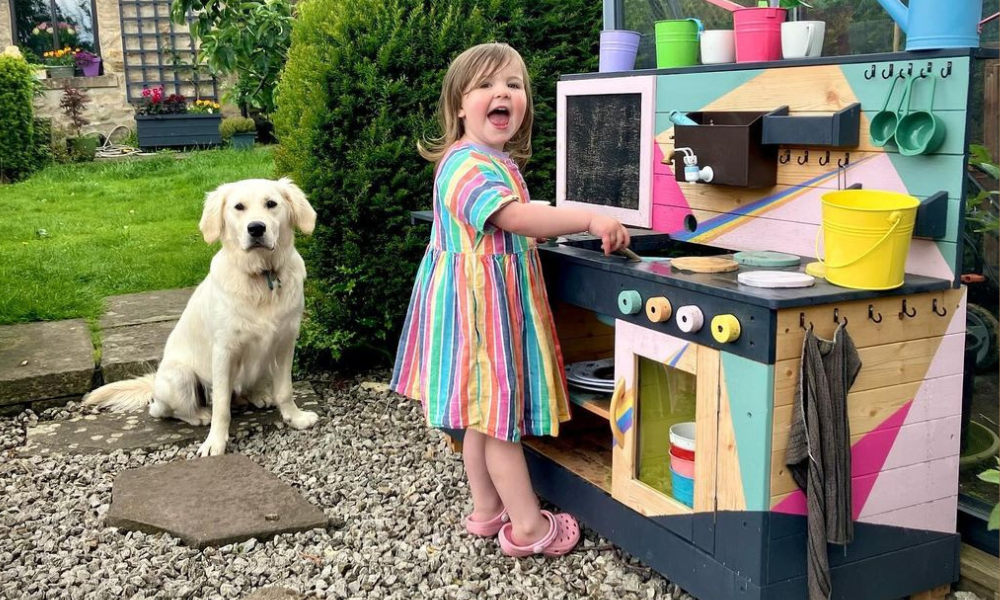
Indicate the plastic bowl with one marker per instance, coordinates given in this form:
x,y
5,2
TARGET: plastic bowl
x,y
681,466
681,452
683,488
682,435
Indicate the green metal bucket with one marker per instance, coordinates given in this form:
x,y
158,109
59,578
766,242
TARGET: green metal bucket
x,y
677,43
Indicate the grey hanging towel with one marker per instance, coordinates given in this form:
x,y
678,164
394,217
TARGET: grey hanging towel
x,y
818,455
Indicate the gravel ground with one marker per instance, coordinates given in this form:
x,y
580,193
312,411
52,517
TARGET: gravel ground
x,y
393,491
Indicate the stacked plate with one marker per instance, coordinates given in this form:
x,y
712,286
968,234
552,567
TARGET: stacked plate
x,y
592,375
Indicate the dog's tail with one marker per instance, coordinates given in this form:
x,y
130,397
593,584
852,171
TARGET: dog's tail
x,y
123,396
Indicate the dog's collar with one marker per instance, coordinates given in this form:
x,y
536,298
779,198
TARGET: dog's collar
x,y
272,279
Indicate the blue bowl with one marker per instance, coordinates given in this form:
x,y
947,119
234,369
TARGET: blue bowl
x,y
683,488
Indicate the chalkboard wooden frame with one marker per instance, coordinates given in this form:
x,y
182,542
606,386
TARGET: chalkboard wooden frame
x,y
645,86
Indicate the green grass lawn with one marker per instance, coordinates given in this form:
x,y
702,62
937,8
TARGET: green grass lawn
x,y
75,234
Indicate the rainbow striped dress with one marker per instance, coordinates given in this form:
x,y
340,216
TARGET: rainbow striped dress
x,y
479,347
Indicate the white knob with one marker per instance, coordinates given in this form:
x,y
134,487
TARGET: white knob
x,y
689,318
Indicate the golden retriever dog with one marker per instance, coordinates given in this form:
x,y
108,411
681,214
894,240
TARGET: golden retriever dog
x,y
236,336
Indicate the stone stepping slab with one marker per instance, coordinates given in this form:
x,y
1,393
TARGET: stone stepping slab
x,y
210,501
106,432
40,361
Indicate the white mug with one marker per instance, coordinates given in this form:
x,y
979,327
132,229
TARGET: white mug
x,y
802,39
717,47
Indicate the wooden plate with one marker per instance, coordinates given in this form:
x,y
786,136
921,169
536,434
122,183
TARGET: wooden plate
x,y
704,264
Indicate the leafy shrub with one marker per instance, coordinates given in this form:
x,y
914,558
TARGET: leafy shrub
x,y
359,89
18,155
233,125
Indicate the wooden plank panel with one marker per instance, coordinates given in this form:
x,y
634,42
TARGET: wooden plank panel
x,y
865,332
903,487
928,174
706,429
939,439
885,365
937,515
954,122
868,409
588,463
729,481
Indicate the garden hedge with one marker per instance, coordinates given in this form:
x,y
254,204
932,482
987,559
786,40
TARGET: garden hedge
x,y
359,89
18,155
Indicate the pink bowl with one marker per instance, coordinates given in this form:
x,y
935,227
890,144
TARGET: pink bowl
x,y
682,467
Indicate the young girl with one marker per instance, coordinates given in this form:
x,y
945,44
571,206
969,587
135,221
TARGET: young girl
x,y
479,346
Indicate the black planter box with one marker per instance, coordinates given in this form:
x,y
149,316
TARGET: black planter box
x,y
838,129
185,130
730,143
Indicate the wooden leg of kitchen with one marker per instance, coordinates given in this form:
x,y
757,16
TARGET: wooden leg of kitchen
x,y
937,593
454,444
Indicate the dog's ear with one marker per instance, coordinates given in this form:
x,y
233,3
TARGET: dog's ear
x,y
212,221
303,214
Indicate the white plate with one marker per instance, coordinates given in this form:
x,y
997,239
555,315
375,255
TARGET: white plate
x,y
775,279
593,372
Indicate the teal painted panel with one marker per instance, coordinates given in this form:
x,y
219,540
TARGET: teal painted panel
x,y
692,91
928,174
751,392
951,92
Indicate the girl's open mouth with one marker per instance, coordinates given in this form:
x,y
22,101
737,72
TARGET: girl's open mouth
x,y
499,117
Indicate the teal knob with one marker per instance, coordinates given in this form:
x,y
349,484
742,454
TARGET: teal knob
x,y
629,302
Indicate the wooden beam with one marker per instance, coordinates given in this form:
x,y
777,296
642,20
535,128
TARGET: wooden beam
x,y
980,573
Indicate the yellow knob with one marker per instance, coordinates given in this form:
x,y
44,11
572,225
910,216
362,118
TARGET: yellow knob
x,y
725,328
658,309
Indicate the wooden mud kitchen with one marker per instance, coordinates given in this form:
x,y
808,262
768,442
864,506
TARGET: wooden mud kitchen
x,y
699,370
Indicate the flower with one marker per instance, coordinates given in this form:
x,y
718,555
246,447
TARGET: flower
x,y
204,107
153,102
64,57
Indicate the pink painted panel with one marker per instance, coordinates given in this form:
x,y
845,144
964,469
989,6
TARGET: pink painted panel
x,y
938,515
909,486
948,358
925,441
957,323
936,399
667,219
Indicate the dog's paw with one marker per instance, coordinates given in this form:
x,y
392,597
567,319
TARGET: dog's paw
x,y
303,419
212,447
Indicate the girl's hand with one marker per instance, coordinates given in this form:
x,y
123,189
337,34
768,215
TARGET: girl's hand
x,y
612,233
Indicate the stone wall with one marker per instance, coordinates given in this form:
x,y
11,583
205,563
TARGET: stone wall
x,y
6,29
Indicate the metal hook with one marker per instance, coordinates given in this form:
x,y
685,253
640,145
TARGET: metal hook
x,y
909,69
929,69
870,74
934,307
824,160
946,71
905,313
889,74
804,158
843,162
802,322
787,156
871,314
836,315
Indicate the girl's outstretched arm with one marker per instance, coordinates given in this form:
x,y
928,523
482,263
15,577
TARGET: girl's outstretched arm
x,y
536,220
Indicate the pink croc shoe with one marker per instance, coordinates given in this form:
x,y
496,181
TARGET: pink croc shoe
x,y
563,536
487,528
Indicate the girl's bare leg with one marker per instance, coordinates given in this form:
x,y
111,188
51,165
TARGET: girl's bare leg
x,y
486,502
509,472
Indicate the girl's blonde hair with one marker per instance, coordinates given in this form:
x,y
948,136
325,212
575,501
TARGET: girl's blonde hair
x,y
466,72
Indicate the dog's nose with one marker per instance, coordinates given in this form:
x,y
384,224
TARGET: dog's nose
x,y
256,229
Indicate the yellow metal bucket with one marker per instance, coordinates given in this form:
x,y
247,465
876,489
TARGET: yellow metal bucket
x,y
866,237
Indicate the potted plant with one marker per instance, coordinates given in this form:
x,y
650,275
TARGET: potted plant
x,y
240,132
164,120
61,63
88,62
73,103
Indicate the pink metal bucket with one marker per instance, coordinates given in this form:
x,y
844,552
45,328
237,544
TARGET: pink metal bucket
x,y
758,33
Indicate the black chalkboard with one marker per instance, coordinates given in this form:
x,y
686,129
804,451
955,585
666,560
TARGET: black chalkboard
x,y
602,149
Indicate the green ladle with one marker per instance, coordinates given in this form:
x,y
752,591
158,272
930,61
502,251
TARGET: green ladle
x,y
920,131
883,125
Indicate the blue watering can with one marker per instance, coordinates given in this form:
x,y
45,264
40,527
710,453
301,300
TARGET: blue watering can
x,y
934,24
